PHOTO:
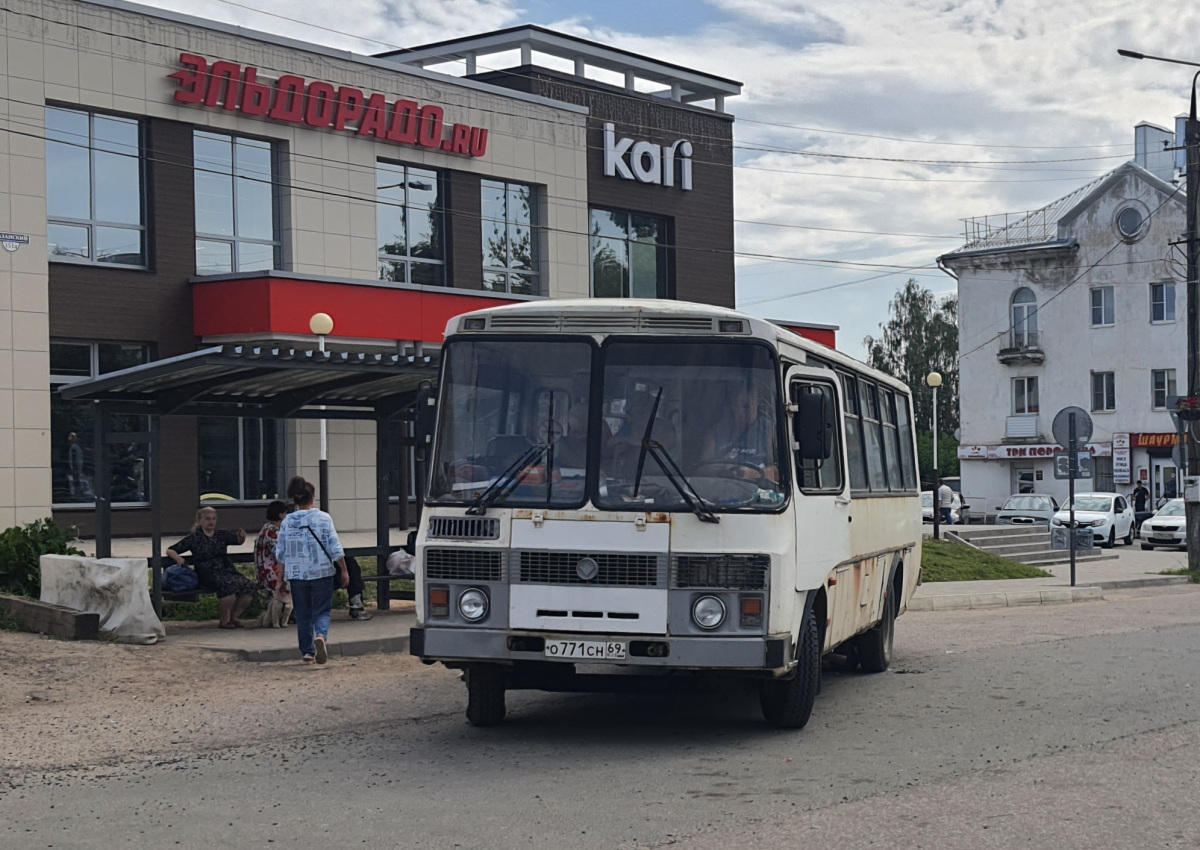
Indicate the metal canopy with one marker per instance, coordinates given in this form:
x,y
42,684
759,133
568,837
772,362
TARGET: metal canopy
x,y
276,383
237,380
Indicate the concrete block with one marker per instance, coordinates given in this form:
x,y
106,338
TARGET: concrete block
x,y
1056,595
988,600
1024,597
53,620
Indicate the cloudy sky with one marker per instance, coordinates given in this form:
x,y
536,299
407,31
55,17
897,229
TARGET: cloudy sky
x,y
867,129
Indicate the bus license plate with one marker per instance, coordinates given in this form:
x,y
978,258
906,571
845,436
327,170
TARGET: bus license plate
x,y
597,650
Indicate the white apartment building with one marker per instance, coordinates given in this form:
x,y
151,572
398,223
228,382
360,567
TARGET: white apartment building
x,y
1081,302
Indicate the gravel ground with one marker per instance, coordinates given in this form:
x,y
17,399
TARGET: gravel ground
x,y
88,706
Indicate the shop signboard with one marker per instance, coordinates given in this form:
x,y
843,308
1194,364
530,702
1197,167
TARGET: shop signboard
x,y
293,100
647,162
1027,452
1122,459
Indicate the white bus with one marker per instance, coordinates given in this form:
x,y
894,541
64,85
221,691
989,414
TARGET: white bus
x,y
620,491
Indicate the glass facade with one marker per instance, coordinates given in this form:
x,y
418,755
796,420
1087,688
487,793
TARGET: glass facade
x,y
72,423
410,218
94,188
510,249
631,255
240,459
236,227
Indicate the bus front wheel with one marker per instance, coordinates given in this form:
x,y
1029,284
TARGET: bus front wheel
x,y
485,694
875,646
788,703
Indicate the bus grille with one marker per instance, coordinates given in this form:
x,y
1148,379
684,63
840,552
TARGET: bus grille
x,y
463,565
464,527
732,572
615,569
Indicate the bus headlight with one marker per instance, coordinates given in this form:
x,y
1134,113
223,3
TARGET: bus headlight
x,y
473,604
708,612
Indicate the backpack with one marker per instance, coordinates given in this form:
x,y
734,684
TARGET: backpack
x,y
177,579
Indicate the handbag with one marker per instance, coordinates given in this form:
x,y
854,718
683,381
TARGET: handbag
x,y
332,562
177,579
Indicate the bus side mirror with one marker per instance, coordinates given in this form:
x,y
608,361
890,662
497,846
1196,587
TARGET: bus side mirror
x,y
813,431
426,417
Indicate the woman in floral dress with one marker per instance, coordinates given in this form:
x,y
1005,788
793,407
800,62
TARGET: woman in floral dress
x,y
208,547
270,571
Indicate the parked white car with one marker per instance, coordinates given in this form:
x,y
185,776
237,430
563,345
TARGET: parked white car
x,y
1166,528
956,507
1027,509
1109,514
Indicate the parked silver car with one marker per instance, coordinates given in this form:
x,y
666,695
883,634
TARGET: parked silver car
x,y
1166,528
1027,509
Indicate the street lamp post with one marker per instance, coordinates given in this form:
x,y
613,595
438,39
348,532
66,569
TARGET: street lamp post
x,y
1192,145
321,324
934,380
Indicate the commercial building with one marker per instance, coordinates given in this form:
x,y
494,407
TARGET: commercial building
x,y
1078,303
167,184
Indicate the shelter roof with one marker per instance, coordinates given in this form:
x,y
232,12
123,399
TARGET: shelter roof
x,y
242,380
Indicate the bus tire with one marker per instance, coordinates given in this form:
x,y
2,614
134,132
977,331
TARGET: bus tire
x,y
788,703
875,646
485,694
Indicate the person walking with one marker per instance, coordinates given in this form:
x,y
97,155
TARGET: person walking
x,y
312,556
946,503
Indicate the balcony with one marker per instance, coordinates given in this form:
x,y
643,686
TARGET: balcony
x,y
1024,427
1023,348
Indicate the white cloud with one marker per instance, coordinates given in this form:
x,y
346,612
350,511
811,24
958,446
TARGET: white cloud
x,y
974,72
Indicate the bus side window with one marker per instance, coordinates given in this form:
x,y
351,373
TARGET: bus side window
x,y
855,456
825,474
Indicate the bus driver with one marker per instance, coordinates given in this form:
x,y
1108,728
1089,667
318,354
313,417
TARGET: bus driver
x,y
744,438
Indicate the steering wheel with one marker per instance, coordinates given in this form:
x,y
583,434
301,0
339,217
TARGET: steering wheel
x,y
759,474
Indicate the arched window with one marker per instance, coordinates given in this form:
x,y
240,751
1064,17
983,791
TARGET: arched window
x,y
1024,319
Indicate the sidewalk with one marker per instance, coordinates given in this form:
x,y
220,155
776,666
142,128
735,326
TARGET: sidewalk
x,y
386,631
1130,568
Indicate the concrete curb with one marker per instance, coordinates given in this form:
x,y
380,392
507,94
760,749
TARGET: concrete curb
x,y
343,649
1009,599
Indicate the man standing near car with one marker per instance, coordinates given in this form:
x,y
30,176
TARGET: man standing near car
x,y
1140,497
945,503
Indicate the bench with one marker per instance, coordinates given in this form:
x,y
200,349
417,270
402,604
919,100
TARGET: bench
x,y
383,594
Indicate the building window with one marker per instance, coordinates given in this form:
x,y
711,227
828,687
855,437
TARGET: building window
x,y
1162,302
240,459
94,202
1025,396
1162,387
1104,391
631,255
410,216
1103,313
236,203
1024,319
509,237
72,444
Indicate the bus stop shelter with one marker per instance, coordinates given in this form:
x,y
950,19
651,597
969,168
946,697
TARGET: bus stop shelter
x,y
269,382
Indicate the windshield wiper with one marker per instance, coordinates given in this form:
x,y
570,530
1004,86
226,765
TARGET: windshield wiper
x,y
641,464
678,480
507,481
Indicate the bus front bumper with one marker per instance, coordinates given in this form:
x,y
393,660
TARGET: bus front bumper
x,y
710,652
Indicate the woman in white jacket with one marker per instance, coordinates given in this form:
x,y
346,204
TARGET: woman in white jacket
x,y
312,556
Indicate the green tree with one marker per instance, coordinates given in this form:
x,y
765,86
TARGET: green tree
x,y
919,337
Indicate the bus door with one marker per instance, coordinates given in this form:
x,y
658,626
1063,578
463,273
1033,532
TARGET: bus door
x,y
821,489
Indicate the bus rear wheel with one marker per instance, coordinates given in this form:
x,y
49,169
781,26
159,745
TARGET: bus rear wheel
x,y
788,703
485,694
875,646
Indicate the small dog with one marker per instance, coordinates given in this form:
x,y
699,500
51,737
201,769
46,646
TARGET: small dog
x,y
279,609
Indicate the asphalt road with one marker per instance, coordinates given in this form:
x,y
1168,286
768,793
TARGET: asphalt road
x,y
1059,726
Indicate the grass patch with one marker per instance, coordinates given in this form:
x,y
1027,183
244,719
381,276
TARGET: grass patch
x,y
1194,575
942,560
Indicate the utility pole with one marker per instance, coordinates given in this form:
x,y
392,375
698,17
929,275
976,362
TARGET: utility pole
x,y
1192,237
934,380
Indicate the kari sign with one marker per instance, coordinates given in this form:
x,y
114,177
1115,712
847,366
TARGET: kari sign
x,y
294,100
647,162
1025,452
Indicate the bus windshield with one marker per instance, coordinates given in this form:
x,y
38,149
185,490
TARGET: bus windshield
x,y
515,427
715,428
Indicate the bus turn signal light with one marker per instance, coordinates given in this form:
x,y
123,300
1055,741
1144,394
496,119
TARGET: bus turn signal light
x,y
751,612
439,602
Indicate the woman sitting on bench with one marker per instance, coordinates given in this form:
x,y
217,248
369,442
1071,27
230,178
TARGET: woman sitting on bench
x,y
208,547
